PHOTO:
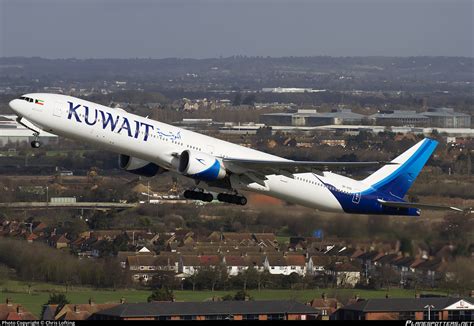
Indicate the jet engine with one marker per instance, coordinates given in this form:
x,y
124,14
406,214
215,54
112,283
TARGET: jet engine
x,y
138,166
201,166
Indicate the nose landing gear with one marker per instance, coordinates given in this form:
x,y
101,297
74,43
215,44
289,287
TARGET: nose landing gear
x,y
36,143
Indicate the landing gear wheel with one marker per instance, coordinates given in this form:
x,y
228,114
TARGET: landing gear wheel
x,y
187,194
242,201
35,144
232,199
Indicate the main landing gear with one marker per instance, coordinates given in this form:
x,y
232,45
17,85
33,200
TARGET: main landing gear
x,y
232,199
207,197
198,195
35,143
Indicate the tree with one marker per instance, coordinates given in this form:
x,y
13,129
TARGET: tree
x,y
163,294
237,99
249,99
242,296
57,298
459,276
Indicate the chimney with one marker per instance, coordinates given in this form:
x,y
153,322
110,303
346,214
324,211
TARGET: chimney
x,y
19,309
386,296
471,294
76,308
323,295
8,301
122,300
90,301
356,297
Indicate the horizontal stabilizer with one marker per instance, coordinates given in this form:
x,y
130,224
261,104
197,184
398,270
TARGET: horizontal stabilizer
x,y
397,204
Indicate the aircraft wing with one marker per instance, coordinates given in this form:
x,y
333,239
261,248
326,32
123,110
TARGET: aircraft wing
x,y
262,166
421,206
297,166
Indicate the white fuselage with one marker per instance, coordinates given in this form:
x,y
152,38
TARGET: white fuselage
x,y
125,133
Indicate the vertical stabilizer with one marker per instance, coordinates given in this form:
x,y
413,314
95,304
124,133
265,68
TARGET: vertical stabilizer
x,y
397,178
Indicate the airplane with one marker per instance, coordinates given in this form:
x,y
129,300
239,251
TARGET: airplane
x,y
147,147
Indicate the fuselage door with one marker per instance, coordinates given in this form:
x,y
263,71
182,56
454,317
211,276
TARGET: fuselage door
x,y
356,198
58,110
210,150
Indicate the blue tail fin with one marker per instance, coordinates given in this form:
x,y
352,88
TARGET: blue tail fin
x,y
396,179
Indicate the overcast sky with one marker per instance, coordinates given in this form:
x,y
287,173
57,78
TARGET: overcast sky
x,y
213,28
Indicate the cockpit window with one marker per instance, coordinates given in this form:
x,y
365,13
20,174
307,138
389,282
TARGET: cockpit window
x,y
28,99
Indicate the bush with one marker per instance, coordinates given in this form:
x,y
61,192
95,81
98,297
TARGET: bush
x,y
59,299
163,294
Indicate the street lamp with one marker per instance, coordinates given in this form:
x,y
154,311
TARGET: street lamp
x,y
429,307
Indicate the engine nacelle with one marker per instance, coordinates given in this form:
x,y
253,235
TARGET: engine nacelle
x,y
138,166
201,166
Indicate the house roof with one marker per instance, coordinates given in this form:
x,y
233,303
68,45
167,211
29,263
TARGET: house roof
x,y
371,255
295,260
436,264
276,260
74,311
153,309
405,304
386,259
190,260
238,237
254,260
209,260
235,261
327,303
321,260
12,311
346,267
165,260
141,260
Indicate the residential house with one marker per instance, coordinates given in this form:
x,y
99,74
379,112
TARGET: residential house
x,y
296,264
318,264
285,265
168,263
189,264
13,311
346,275
142,267
326,307
256,261
235,264
74,311
265,239
30,238
59,241
209,261
210,310
441,308
431,271
405,267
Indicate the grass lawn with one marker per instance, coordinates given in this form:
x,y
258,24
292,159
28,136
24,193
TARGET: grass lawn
x,y
17,292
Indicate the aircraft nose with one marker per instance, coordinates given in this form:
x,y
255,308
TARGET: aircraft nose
x,y
15,105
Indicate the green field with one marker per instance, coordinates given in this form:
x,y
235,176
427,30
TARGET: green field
x,y
18,293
